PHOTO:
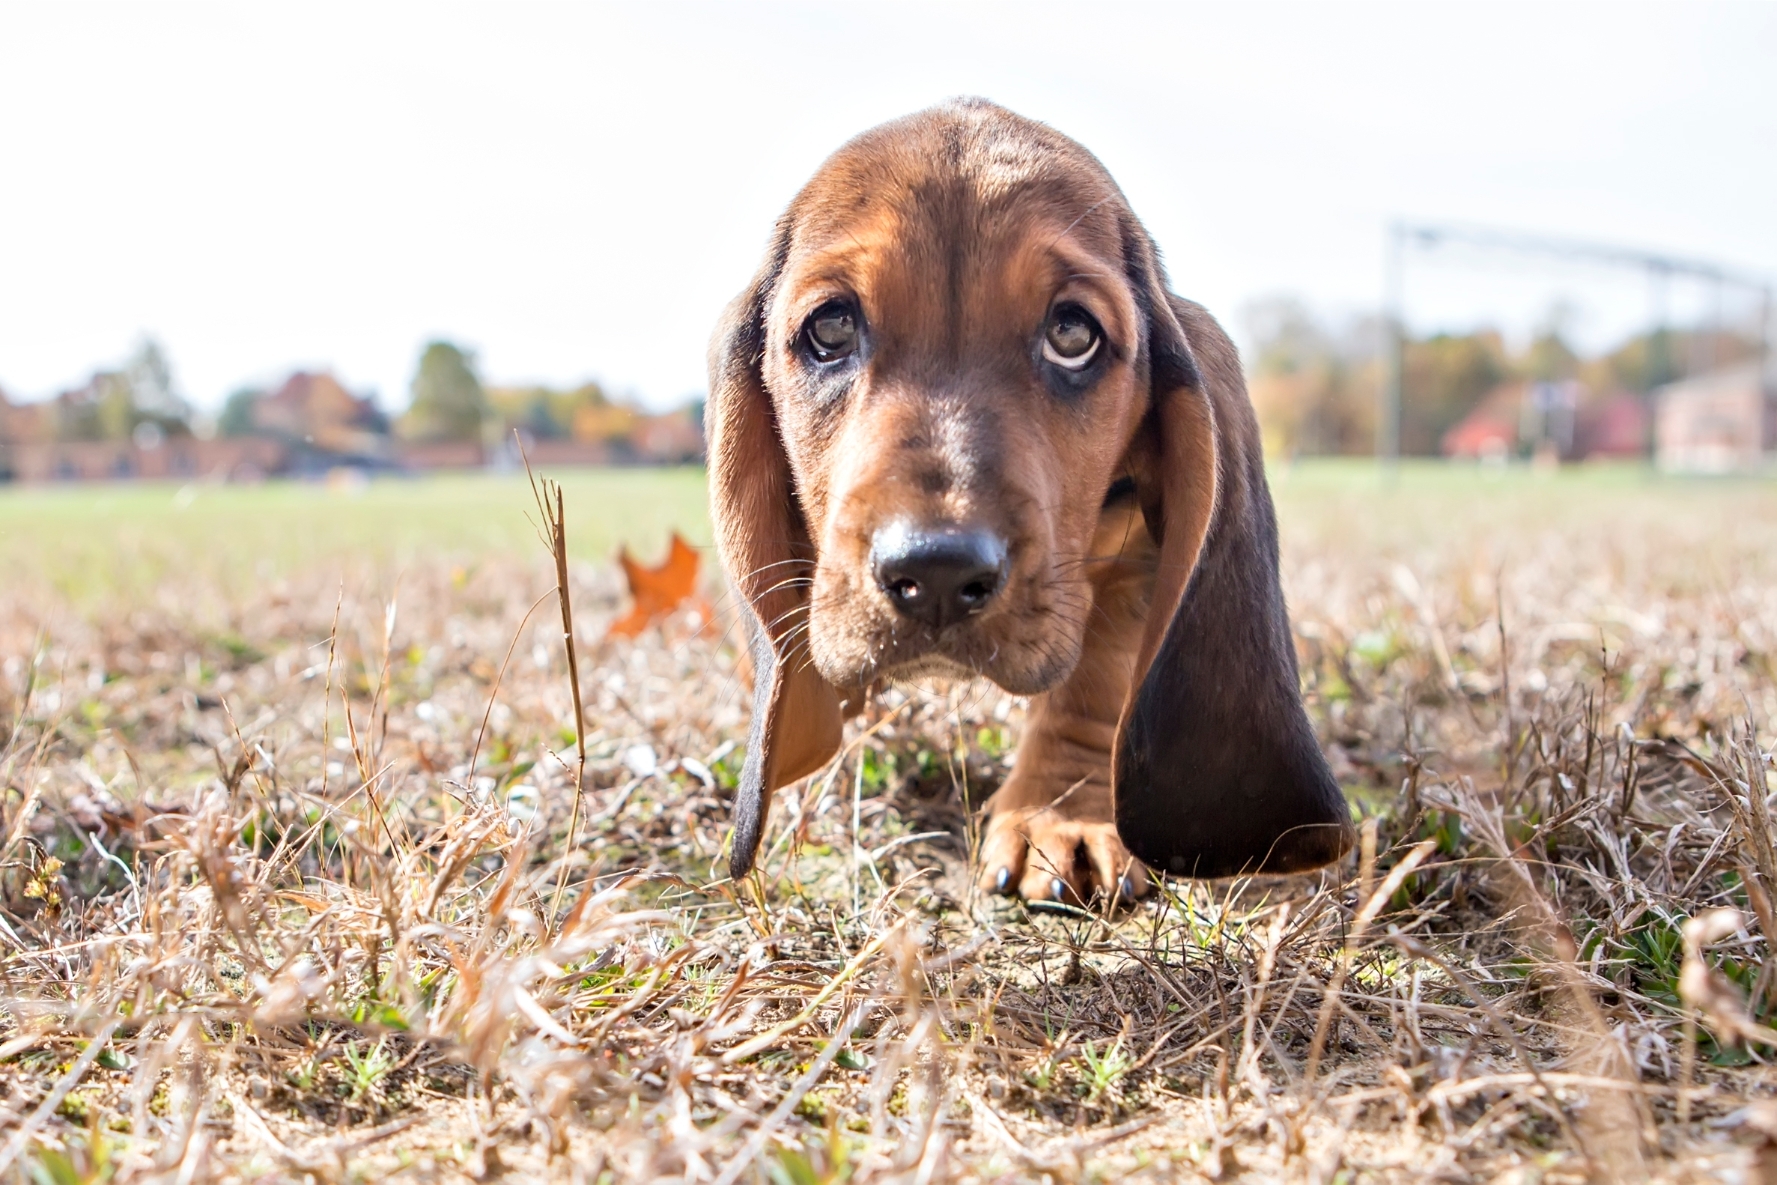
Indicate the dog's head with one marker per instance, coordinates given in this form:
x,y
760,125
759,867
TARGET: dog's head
x,y
958,352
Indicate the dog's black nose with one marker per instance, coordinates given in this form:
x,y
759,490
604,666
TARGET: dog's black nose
x,y
938,575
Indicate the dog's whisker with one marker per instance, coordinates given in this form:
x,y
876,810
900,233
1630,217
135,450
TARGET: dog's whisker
x,y
754,573
792,582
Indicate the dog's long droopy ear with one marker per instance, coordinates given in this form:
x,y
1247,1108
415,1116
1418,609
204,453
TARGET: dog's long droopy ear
x,y
769,558
1217,771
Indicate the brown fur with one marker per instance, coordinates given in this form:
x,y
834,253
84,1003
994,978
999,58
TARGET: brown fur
x,y
1149,628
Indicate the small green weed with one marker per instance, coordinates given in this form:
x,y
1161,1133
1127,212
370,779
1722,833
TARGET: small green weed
x,y
368,1068
1104,1069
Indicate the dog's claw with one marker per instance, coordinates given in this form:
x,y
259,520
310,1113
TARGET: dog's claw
x,y
1054,860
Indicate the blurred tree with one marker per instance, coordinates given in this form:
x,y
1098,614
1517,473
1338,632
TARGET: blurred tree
x,y
1315,388
531,412
150,379
1651,359
237,412
1629,366
1550,359
114,407
115,403
545,412
1443,377
448,400
75,413
1314,391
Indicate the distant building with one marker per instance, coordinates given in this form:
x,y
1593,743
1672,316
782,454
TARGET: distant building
x,y
1563,419
323,425
309,426
1490,431
1722,421
1614,426
671,438
99,409
627,437
100,431
441,454
179,457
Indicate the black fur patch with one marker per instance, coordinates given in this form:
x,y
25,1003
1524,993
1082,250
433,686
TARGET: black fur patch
x,y
1122,490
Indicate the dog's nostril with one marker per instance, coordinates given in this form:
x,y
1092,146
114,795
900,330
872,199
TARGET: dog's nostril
x,y
978,590
938,575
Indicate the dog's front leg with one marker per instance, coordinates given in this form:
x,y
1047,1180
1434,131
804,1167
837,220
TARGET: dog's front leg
x,y
1050,833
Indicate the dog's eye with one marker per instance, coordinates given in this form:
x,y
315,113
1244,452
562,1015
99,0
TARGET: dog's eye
x,y
832,331
1072,337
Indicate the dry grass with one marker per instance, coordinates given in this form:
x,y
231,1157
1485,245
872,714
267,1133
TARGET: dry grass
x,y
284,897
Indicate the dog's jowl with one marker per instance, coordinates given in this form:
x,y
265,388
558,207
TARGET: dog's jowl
x,y
962,426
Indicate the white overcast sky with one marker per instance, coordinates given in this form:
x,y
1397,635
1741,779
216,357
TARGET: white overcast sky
x,y
574,191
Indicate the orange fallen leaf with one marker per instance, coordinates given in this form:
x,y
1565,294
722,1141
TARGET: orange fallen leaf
x,y
656,592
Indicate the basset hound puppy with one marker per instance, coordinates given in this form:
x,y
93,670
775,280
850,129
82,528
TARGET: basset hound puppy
x,y
962,427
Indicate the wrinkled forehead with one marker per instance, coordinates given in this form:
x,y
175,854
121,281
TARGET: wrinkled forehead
x,y
905,214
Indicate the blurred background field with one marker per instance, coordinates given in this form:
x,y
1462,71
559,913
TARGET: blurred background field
x,y
95,543
98,544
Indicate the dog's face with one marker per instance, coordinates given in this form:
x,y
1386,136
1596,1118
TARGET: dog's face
x,y
954,353
955,406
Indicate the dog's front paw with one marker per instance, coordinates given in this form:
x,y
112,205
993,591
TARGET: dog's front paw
x,y
1052,853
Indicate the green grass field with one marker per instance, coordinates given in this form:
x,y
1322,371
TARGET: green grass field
x,y
295,883
88,544
99,541
91,541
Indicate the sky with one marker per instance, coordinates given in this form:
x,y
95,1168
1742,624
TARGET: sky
x,y
575,191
